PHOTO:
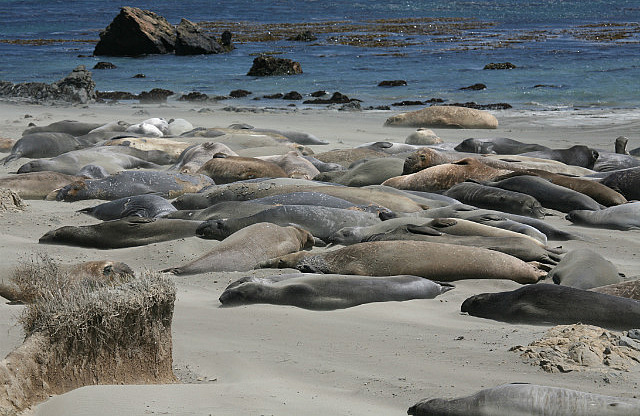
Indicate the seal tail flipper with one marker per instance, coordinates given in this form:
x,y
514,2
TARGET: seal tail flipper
x,y
11,157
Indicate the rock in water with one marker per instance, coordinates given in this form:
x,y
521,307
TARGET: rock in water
x,y
136,32
190,40
445,116
268,65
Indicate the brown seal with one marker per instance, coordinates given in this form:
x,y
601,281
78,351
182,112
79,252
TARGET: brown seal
x,y
442,177
225,169
36,185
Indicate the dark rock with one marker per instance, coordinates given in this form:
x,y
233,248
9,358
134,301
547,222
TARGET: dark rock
x,y
136,32
269,65
104,65
156,95
475,87
191,40
379,107
194,96
139,76
471,104
351,106
320,93
292,95
77,87
500,65
239,93
305,36
407,102
275,96
393,83
115,95
336,98
434,101
225,41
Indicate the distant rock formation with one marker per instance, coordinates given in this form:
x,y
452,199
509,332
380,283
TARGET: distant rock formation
x,y
77,87
500,65
190,40
269,65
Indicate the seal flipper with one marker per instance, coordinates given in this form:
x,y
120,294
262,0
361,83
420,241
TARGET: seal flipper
x,y
423,230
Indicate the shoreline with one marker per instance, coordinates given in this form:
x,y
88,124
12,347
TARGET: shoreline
x,y
374,359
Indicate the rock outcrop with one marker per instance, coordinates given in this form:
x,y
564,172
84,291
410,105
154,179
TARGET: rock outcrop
x,y
269,65
77,87
191,40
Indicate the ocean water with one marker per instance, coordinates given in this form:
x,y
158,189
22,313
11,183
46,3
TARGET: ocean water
x,y
568,54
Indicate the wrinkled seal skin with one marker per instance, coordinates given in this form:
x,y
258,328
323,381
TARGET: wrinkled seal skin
x,y
226,169
619,217
500,146
441,262
129,183
128,232
328,292
549,195
528,399
146,206
483,196
546,304
626,181
578,155
584,269
243,250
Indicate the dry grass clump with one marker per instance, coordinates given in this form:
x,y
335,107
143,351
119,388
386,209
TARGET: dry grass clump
x,y
87,331
11,201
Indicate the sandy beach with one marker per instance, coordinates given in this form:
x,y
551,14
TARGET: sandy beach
x,y
373,359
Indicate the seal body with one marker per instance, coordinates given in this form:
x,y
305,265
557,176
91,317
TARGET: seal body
x,y
578,155
147,206
626,181
619,217
225,169
528,399
329,292
499,145
483,196
584,269
546,304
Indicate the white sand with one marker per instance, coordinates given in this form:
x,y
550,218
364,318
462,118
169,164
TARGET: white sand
x,y
375,359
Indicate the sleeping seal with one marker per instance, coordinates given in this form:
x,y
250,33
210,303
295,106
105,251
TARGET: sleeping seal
x,y
619,217
146,206
325,292
528,399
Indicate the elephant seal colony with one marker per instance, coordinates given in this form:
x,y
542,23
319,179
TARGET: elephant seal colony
x,y
358,275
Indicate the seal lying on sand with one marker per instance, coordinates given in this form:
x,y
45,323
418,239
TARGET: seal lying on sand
x,y
577,155
329,291
39,145
498,145
625,181
247,247
619,217
194,156
483,196
36,185
584,269
528,399
146,206
127,232
225,169
441,262
546,304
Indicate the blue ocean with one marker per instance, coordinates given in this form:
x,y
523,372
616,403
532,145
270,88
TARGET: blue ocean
x,y
568,54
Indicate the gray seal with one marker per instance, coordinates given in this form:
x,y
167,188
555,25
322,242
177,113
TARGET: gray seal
x,y
483,196
325,292
39,145
72,127
146,206
528,399
546,304
578,155
127,232
619,217
498,145
625,181
584,269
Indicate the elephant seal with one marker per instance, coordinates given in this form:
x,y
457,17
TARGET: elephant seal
x,y
499,221
294,165
293,136
546,304
578,155
483,196
345,157
522,248
600,193
619,217
549,195
246,248
127,232
193,157
133,182
423,137
369,172
442,177
71,127
146,206
171,147
629,289
441,262
323,200
445,117
584,269
626,181
320,221
111,160
610,161
323,166
528,399
225,169
36,185
39,145
499,145
393,148
221,210
425,158
322,292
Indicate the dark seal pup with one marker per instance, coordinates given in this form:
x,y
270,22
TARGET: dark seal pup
x,y
528,399
546,304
